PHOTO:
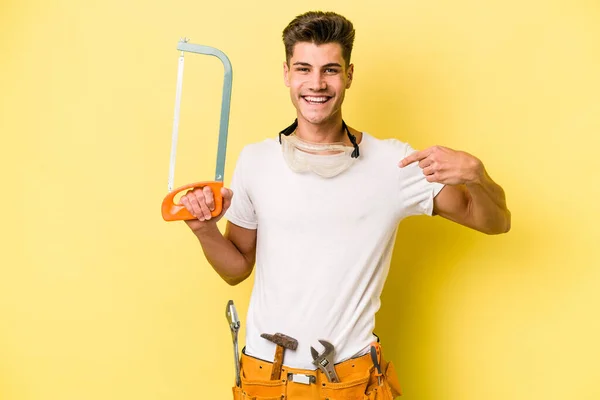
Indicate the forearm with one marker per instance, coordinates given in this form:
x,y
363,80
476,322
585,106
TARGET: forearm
x,y
226,259
487,206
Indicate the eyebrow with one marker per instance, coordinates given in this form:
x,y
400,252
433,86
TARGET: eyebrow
x,y
305,64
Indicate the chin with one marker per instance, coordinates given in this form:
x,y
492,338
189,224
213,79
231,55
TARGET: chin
x,y
318,119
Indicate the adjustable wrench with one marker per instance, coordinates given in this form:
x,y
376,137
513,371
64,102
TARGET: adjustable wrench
x,y
325,361
234,325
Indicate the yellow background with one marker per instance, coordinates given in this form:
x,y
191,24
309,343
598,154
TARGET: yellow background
x,y
101,299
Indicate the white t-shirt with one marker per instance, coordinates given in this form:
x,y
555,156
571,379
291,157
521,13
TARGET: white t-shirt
x,y
323,244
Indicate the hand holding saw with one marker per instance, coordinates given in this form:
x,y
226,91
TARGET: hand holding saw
x,y
177,212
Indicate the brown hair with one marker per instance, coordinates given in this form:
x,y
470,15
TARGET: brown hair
x,y
319,27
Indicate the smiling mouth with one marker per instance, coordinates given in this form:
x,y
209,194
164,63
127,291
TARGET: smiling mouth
x,y
316,99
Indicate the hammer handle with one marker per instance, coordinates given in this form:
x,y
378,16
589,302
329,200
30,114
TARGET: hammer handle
x,y
277,363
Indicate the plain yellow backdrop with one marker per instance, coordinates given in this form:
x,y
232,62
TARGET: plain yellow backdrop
x,y
101,299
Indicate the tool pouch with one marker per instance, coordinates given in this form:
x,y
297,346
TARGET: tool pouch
x,y
390,386
256,383
237,393
358,382
260,390
348,389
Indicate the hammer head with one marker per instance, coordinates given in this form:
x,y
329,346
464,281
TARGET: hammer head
x,y
281,340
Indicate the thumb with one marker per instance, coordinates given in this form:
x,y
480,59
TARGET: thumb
x,y
227,196
226,193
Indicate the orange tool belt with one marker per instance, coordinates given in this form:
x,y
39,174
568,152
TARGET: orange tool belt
x,y
359,380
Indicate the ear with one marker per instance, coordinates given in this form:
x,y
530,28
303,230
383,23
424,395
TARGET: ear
x,y
286,74
349,75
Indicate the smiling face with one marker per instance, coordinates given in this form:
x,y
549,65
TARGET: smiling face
x,y
318,77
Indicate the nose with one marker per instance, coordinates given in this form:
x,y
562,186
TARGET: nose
x,y
317,81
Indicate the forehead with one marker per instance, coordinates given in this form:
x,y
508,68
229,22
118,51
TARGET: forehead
x,y
314,54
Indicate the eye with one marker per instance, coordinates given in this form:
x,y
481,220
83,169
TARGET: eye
x,y
302,69
332,70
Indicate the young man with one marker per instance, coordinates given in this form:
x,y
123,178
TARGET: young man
x,y
317,208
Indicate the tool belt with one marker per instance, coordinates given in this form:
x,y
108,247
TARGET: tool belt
x,y
359,380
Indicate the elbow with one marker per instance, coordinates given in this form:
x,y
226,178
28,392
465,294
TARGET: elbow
x,y
503,226
507,222
233,280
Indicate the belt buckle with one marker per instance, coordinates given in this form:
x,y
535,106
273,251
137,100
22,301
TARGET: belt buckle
x,y
301,378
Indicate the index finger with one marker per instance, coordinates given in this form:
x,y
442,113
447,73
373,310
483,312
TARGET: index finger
x,y
411,158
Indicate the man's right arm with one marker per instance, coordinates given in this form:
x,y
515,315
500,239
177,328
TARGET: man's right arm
x,y
231,255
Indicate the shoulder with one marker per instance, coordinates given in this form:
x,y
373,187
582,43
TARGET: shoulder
x,y
382,147
386,154
266,145
259,150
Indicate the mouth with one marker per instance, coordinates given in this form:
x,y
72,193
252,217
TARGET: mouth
x,y
316,100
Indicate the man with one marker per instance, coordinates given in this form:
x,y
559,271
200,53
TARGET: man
x,y
317,209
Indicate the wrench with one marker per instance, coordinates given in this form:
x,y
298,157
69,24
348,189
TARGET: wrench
x,y
324,361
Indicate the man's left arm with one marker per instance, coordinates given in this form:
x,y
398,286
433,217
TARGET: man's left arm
x,y
470,196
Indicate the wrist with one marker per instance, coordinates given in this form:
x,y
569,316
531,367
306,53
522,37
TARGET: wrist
x,y
478,175
206,228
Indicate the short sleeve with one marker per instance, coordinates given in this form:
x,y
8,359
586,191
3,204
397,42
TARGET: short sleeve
x,y
416,192
241,212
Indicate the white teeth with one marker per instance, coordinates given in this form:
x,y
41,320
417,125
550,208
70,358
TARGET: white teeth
x,y
316,99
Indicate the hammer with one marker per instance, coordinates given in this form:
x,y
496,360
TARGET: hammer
x,y
283,342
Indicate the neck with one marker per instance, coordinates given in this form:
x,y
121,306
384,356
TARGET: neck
x,y
326,132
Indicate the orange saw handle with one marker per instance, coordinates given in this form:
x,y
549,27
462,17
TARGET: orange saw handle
x,y
178,212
